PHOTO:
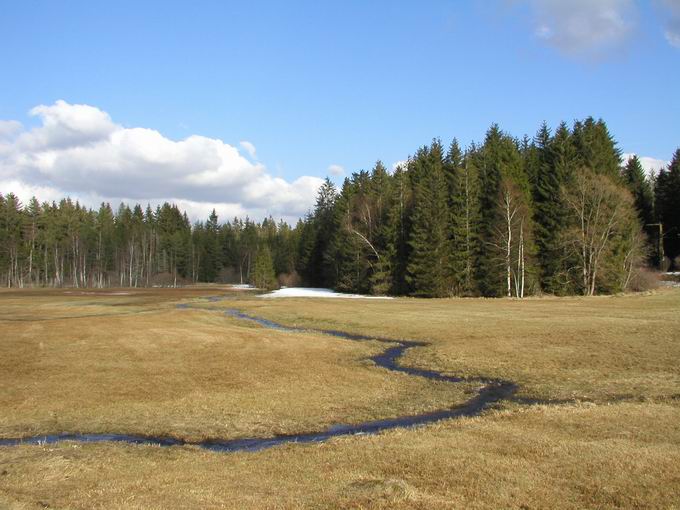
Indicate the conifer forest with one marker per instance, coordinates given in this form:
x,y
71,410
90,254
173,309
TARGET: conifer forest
x,y
557,213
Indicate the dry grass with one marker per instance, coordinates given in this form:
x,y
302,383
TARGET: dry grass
x,y
194,374
190,374
597,349
565,457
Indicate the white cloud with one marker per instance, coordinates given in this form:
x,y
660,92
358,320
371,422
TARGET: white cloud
x,y
9,128
672,32
79,151
397,164
583,28
673,38
336,170
249,148
650,165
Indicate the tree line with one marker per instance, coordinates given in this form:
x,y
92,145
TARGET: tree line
x,y
556,213
66,244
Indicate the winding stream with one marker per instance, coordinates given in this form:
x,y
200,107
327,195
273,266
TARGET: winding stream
x,y
491,392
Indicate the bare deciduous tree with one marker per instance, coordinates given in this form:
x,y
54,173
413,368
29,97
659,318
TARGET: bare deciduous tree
x,y
604,223
512,236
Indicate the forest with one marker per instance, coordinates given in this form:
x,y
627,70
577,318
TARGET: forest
x,y
558,213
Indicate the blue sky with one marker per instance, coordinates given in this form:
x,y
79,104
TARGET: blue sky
x,y
314,84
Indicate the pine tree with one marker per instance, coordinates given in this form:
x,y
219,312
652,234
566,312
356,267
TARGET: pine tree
x,y
555,161
263,271
398,228
380,189
667,190
428,267
347,250
638,184
500,161
319,265
596,148
464,221
210,252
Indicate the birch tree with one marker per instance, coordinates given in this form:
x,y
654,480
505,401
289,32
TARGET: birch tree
x,y
602,223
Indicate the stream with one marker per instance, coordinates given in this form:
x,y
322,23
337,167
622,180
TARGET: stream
x,y
491,391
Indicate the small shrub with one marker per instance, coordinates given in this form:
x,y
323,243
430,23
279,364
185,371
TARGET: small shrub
x,y
643,280
290,279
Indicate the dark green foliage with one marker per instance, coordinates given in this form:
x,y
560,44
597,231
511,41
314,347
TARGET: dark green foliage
x,y
555,164
491,220
499,161
263,276
638,184
398,229
464,213
317,265
667,191
210,252
69,245
428,268
596,148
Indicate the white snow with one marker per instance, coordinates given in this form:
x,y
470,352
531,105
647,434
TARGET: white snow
x,y
241,286
317,293
98,293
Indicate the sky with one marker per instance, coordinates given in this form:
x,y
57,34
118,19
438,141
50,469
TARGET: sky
x,y
246,106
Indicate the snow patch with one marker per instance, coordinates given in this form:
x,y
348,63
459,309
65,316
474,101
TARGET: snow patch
x,y
242,286
315,292
97,293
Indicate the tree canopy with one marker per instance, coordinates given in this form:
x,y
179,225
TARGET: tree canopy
x,y
499,218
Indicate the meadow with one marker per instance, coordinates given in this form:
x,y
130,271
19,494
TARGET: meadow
x,y
593,423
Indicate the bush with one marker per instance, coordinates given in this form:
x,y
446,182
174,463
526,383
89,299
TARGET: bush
x,y
290,279
643,280
168,280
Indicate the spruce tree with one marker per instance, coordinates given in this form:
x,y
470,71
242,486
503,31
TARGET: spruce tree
x,y
549,213
263,276
346,248
638,184
398,229
500,161
596,148
464,221
319,267
667,190
380,189
428,267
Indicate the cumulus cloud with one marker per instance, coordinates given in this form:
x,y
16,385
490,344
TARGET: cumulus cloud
x,y
650,165
583,28
336,170
8,128
78,150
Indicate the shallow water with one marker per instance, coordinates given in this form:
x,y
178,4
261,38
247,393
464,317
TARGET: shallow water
x,y
490,392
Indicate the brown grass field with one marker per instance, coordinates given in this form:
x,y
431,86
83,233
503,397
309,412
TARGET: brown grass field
x,y
605,435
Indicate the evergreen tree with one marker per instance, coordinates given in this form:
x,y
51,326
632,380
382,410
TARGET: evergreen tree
x,y
347,248
501,162
210,252
554,167
264,276
398,228
464,220
596,148
460,224
428,267
638,184
319,267
667,190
